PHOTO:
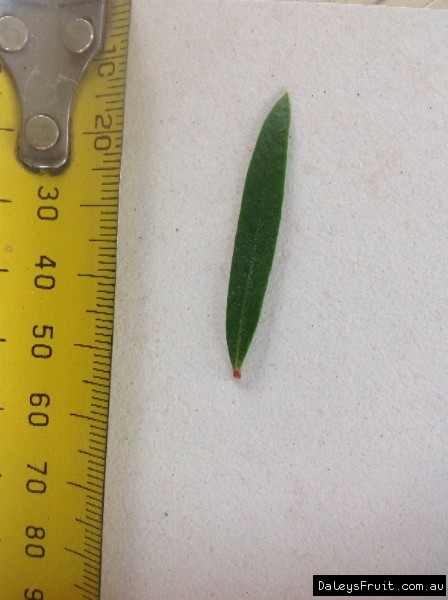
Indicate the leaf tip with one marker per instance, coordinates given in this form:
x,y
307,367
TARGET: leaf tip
x,y
237,373
286,99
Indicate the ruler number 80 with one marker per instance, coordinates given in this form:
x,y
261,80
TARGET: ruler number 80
x,y
35,549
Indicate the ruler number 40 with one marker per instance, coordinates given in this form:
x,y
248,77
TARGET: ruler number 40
x,y
43,281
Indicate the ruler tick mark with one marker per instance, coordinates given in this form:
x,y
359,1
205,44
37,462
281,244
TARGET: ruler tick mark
x,y
87,382
98,377
96,505
105,401
101,472
98,435
94,581
104,132
110,95
87,525
94,587
80,554
98,449
79,416
88,347
95,544
87,453
79,587
82,487
103,428
105,371
98,205
92,518
91,553
95,276
97,479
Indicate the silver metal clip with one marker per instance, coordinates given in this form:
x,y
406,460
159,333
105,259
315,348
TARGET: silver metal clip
x,y
46,46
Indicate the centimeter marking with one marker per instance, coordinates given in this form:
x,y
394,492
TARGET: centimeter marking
x,y
93,488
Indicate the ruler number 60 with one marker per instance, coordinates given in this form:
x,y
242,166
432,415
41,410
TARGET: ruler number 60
x,y
39,419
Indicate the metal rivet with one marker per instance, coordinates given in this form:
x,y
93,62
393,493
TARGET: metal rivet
x,y
13,34
78,35
41,132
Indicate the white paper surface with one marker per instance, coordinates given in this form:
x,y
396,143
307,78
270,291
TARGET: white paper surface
x,y
330,455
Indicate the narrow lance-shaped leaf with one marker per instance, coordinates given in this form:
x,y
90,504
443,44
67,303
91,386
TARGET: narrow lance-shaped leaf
x,y
257,231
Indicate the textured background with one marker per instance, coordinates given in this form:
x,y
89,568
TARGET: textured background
x,y
404,3
330,455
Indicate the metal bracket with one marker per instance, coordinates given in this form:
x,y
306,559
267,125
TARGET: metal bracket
x,y
46,46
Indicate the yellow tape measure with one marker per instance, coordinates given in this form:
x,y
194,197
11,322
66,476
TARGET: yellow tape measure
x,y
57,276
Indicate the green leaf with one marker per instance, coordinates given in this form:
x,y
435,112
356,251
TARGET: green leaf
x,y
257,231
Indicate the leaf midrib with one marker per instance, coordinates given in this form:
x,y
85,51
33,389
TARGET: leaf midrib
x,y
248,280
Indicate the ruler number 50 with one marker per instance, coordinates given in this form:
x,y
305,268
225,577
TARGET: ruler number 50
x,y
42,350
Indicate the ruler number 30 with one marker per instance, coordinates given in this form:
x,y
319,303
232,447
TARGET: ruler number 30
x,y
47,212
